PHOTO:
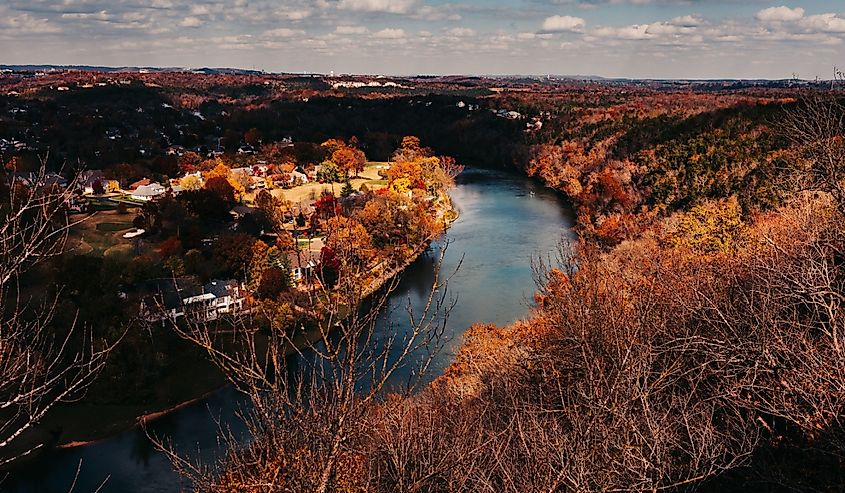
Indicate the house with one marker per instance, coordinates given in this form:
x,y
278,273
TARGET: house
x,y
175,151
184,297
239,211
305,260
145,193
34,178
298,177
88,179
139,183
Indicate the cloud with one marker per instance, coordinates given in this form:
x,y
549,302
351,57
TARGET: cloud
x,y
389,33
283,32
632,32
441,13
293,15
351,30
780,14
96,16
563,23
26,24
191,21
688,21
827,23
386,6
461,32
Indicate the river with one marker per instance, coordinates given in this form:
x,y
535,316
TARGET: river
x,y
505,221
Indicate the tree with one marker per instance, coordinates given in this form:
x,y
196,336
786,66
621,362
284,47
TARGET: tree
x,y
165,165
411,150
208,204
252,136
190,161
98,188
411,170
274,281
350,160
308,422
41,364
816,127
190,182
329,172
273,211
234,253
332,145
327,205
222,188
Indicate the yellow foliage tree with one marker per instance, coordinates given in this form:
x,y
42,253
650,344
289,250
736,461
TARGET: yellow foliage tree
x,y
715,227
190,182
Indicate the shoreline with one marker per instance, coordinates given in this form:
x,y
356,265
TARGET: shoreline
x,y
377,284
141,420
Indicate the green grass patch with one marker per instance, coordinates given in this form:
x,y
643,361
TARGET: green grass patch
x,y
376,182
112,227
303,242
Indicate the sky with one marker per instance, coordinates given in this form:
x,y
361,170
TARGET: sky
x,y
698,39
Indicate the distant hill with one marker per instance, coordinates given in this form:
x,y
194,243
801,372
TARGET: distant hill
x,y
97,68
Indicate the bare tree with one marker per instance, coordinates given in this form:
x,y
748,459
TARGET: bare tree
x,y
815,126
312,388
40,366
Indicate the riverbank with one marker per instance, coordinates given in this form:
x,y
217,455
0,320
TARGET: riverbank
x,y
95,423
502,226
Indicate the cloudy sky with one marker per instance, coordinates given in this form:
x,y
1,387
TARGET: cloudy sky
x,y
614,38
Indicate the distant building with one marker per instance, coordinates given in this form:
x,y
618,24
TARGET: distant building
x,y
32,178
145,193
184,297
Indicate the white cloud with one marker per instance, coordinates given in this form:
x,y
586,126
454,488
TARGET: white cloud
x,y
563,23
26,24
441,13
351,30
461,32
388,6
780,14
633,32
828,23
97,16
688,21
389,33
191,22
283,32
293,15
200,9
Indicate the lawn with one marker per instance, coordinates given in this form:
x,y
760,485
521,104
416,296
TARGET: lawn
x,y
310,191
111,227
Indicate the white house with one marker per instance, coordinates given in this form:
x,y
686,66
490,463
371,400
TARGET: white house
x,y
183,298
145,193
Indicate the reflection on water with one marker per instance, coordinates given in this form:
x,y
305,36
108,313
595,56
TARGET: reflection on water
x,y
505,222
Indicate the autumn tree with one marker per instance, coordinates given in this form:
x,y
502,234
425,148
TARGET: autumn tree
x,y
189,161
350,160
222,188
234,253
308,423
252,137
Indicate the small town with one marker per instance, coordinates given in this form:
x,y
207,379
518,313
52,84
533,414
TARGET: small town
x,y
283,220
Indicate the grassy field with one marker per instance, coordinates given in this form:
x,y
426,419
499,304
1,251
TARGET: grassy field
x,y
111,227
310,191
99,233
